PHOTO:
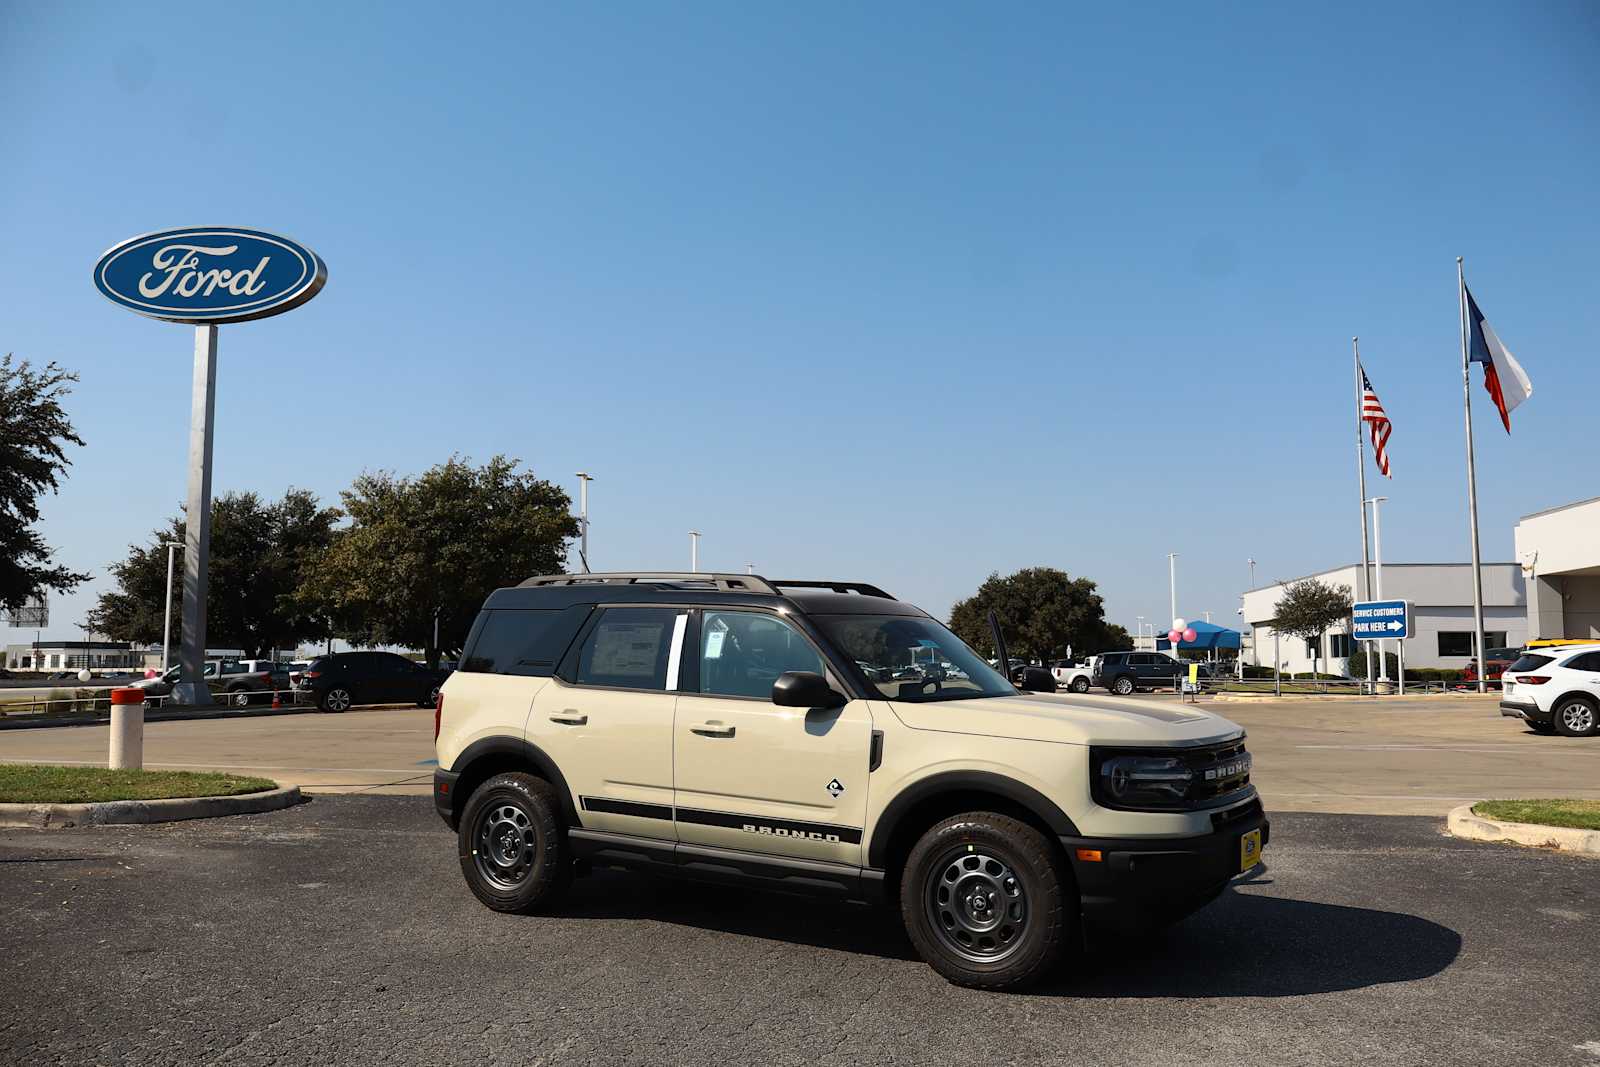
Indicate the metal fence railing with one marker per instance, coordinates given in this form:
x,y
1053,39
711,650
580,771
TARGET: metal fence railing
x,y
98,701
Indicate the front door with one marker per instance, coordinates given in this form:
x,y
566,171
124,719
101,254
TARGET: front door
x,y
757,777
609,730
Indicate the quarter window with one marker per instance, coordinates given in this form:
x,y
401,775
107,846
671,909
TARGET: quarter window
x,y
629,648
743,652
1589,661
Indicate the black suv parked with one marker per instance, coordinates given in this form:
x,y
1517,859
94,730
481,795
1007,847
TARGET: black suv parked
x,y
344,679
1125,672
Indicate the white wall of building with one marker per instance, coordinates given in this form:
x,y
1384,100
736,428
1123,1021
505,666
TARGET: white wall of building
x,y
1559,551
1441,603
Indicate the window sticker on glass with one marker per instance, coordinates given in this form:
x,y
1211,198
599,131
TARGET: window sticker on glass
x,y
627,650
714,641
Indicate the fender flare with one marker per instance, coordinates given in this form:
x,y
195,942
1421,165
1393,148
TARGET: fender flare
x,y
962,782
525,752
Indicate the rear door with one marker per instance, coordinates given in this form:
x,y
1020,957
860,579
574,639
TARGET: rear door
x,y
606,719
757,777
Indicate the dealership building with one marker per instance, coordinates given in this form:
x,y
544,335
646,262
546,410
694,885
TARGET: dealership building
x,y
1559,552
1441,615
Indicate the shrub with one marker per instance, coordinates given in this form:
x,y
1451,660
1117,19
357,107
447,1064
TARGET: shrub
x,y
1358,664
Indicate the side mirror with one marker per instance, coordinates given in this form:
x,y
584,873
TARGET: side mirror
x,y
805,689
1037,680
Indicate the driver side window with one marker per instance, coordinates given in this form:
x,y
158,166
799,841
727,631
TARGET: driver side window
x,y
743,652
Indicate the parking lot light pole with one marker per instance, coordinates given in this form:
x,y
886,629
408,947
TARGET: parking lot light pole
x,y
1172,584
694,551
166,624
584,478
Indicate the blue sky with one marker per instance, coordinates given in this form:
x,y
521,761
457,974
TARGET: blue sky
x,y
902,293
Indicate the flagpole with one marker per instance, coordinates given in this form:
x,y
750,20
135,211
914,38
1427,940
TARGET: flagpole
x,y
1364,579
1472,486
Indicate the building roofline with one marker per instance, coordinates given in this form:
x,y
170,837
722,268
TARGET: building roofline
x,y
1357,566
1559,507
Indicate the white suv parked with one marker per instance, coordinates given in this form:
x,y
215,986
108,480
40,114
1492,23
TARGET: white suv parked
x,y
1555,689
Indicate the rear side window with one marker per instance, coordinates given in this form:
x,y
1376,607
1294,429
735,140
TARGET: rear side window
x,y
628,648
1528,662
1589,661
522,641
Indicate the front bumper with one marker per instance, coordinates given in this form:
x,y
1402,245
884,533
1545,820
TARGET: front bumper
x,y
1527,712
1139,883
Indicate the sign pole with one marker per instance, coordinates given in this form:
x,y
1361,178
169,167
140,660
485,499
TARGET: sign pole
x,y
191,687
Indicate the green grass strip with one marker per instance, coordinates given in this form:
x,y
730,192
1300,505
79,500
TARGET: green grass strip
x,y
1576,814
38,783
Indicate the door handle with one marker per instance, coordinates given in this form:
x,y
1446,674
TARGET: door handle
x,y
711,729
570,717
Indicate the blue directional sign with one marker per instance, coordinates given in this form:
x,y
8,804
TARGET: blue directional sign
x,y
1381,620
210,274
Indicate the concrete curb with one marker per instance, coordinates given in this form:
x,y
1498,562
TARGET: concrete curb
x,y
61,816
1461,822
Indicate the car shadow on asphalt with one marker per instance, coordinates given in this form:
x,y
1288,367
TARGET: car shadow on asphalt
x,y
608,895
1245,945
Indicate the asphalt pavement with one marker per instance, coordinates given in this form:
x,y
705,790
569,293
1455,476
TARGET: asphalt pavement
x,y
340,932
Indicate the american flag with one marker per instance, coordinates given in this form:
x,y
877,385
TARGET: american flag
x,y
1373,415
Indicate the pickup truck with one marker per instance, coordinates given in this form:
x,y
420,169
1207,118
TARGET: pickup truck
x,y
230,681
1069,674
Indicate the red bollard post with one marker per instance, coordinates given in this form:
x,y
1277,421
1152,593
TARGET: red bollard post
x,y
127,729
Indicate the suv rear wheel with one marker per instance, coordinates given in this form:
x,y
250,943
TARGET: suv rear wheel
x,y
1123,686
512,844
1576,717
985,901
337,698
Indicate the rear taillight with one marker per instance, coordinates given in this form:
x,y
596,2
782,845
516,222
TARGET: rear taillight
x,y
438,712
1530,679
313,674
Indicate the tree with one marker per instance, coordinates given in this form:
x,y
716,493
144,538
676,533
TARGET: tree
x,y
1116,639
258,553
1042,611
34,430
1308,608
435,546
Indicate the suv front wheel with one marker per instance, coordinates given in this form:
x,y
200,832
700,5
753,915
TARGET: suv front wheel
x,y
986,902
513,847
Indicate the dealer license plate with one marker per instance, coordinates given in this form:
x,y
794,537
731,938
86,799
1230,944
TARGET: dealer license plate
x,y
1249,850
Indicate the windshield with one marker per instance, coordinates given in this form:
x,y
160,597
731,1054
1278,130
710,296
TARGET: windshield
x,y
913,659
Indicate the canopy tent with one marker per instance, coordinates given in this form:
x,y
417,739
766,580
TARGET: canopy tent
x,y
1208,637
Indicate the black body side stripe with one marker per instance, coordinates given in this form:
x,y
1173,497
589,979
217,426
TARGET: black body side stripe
x,y
760,824
755,824
608,806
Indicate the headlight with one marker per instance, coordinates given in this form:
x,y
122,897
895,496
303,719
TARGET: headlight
x,y
1145,781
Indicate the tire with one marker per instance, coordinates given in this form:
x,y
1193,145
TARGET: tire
x,y
986,857
513,846
1123,686
336,698
430,699
239,698
1577,716
1079,685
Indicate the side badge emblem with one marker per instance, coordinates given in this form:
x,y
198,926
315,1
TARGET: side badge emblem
x,y
835,787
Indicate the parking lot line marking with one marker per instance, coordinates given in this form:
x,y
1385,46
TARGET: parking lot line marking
x,y
1435,748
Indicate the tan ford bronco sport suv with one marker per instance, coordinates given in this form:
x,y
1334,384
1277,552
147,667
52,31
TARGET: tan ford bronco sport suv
x,y
824,737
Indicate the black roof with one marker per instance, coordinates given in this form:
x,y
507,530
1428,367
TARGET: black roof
x,y
810,598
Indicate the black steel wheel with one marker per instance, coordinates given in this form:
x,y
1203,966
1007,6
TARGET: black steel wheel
x,y
513,845
988,901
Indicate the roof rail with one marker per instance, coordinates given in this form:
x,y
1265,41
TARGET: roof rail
x,y
728,583
838,587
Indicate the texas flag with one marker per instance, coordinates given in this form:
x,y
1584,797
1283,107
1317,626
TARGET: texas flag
x,y
1503,376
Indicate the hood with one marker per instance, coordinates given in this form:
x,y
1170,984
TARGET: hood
x,y
1071,720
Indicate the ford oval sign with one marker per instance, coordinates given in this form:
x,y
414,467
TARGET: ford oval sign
x,y
210,275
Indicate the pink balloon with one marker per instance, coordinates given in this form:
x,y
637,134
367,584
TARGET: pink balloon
x,y
1174,636
1189,634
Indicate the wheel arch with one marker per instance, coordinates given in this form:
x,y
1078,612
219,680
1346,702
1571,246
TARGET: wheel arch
x,y
489,756
939,796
